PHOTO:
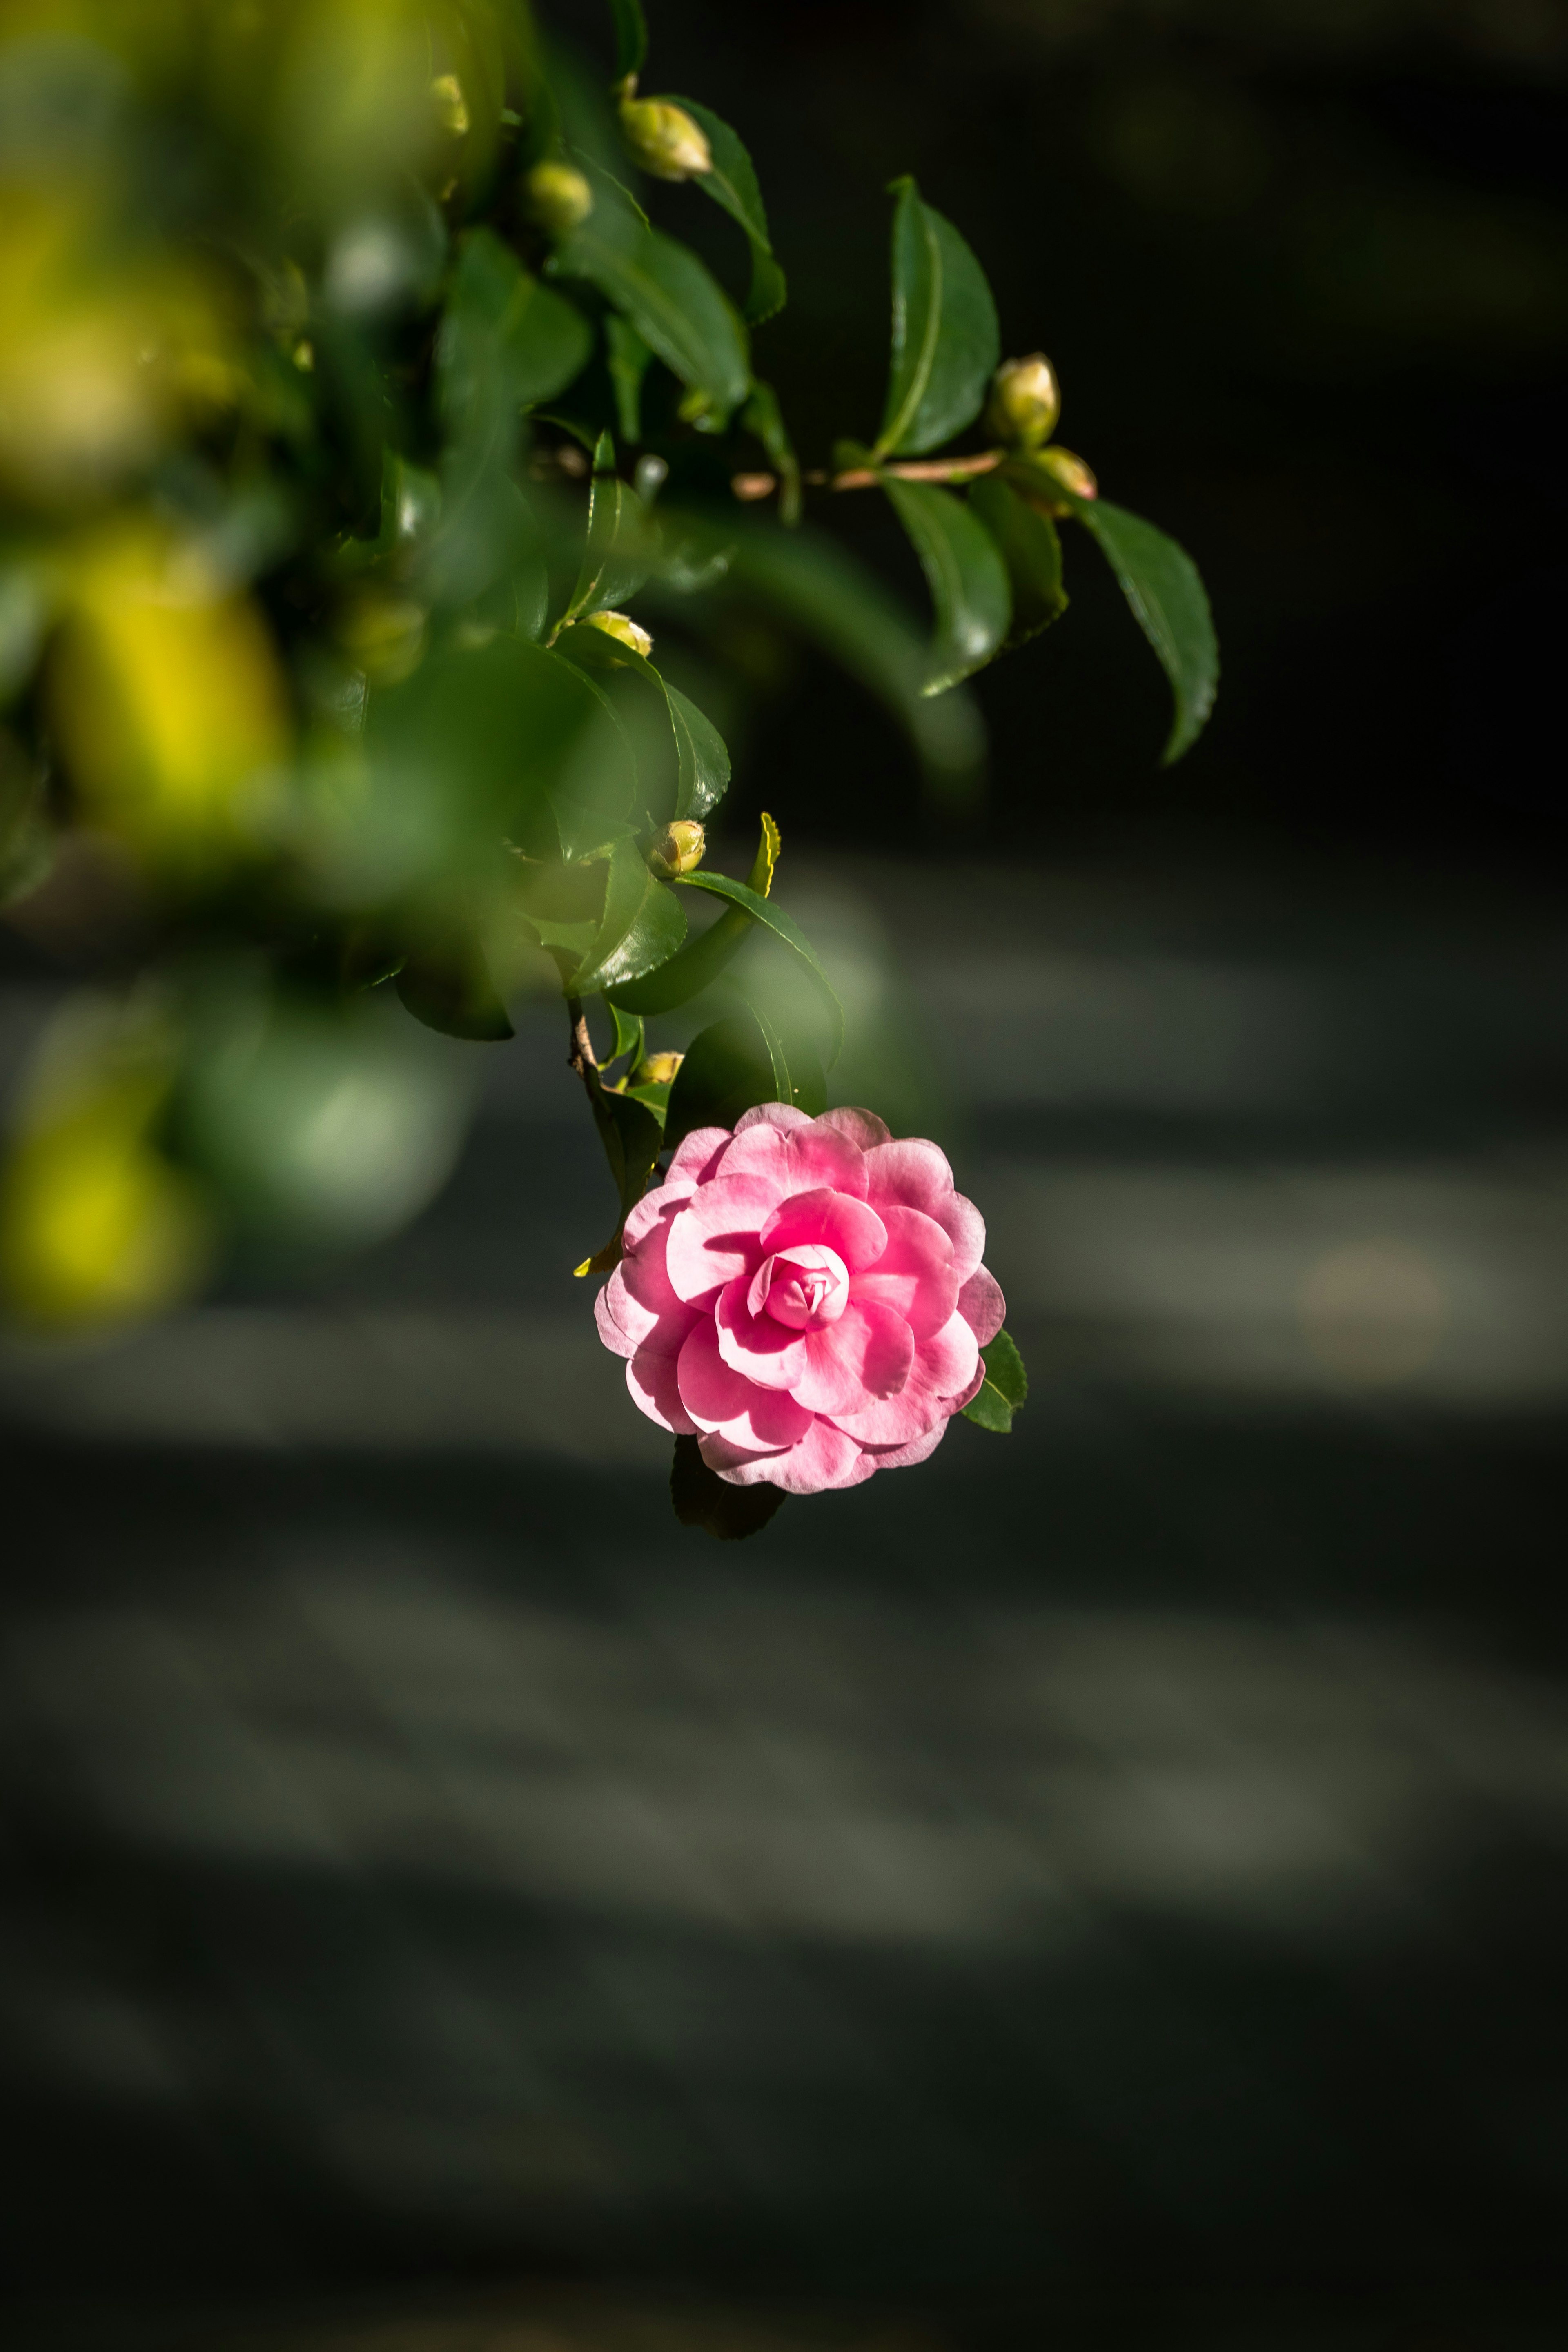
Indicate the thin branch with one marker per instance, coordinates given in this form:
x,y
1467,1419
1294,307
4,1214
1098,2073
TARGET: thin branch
x,y
752,487
582,1058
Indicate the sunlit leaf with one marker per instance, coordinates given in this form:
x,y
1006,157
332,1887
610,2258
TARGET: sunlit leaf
x,y
644,923
733,183
1031,551
703,757
702,959
771,917
1004,1390
946,340
628,1035
966,574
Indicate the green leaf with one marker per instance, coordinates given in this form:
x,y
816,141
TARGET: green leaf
x,y
619,553
677,306
797,1074
628,1035
702,1499
728,1069
812,581
733,183
1162,584
702,961
1004,1390
501,326
627,357
1031,551
769,918
946,340
643,925
449,988
762,417
631,37
702,755
633,1139
966,574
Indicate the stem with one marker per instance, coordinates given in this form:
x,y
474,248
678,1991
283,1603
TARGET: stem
x,y
582,1058
751,487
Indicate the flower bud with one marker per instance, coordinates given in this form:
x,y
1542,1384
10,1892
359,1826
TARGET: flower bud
x,y
678,849
1025,403
664,138
623,628
557,197
658,1070
1043,468
451,106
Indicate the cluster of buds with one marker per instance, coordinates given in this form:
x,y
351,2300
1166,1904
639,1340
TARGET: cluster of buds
x,y
678,849
1025,402
662,136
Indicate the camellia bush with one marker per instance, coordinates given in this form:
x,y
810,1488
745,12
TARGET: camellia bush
x,y
365,424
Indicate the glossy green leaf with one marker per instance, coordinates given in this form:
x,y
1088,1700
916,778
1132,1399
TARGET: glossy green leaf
x,y
733,183
946,340
1004,1390
449,988
702,754
643,925
619,552
628,1035
675,303
631,37
727,1070
966,574
1031,551
704,957
501,324
770,917
632,1139
702,1499
1162,584
627,357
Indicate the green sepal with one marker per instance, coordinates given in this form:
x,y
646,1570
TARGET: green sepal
x,y
946,341
733,183
1002,1391
1032,553
966,574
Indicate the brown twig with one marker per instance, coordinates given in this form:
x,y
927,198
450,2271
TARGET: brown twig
x,y
751,487
582,1058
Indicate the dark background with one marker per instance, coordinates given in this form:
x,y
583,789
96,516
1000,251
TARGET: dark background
x,y
1107,1889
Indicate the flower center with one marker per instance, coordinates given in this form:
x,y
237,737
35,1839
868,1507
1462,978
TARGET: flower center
x,y
803,1287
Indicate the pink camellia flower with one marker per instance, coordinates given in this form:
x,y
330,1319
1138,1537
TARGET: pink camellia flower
x,y
804,1296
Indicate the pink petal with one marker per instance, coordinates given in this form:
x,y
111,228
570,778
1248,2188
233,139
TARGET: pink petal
x,y
982,1305
645,1268
780,1115
823,1458
943,1366
836,1220
919,1449
915,1275
967,1395
655,1390
965,1228
696,1153
766,1351
867,1354
624,1324
644,1215
797,1158
713,1235
724,1401
911,1173
862,1126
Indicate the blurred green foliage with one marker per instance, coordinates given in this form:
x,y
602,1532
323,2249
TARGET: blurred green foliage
x,y
348,397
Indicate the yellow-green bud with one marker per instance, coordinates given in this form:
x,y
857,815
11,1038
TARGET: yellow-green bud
x,y
1025,402
451,106
557,197
678,849
1045,467
658,1070
624,629
664,138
